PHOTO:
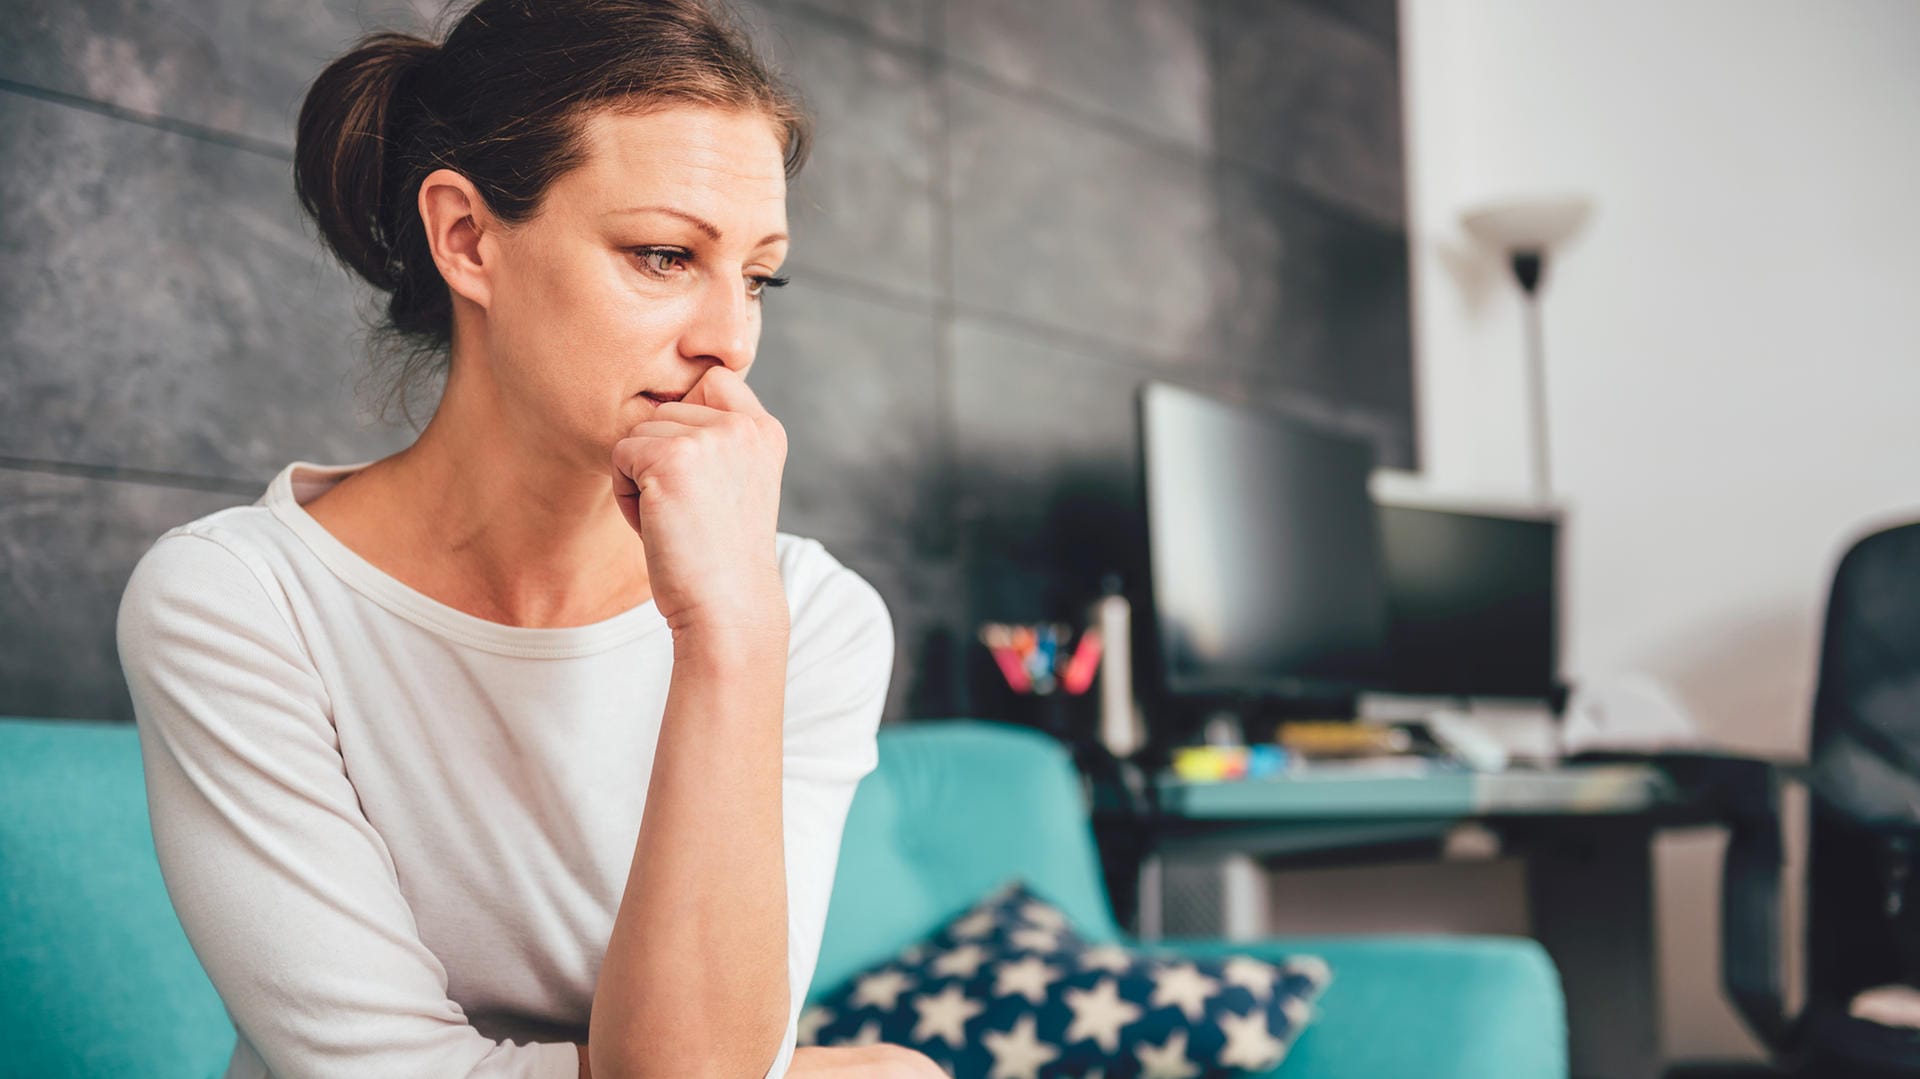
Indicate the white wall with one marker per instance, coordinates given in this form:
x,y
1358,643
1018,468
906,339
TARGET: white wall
x,y
1733,345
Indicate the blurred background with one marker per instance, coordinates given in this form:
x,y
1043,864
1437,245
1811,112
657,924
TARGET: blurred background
x,y
1019,211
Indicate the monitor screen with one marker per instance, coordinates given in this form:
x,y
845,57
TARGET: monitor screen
x,y
1471,597
1263,551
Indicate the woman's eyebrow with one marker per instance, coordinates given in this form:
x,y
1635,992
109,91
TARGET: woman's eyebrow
x,y
702,224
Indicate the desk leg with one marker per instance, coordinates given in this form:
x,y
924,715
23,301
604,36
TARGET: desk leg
x,y
1244,898
1591,900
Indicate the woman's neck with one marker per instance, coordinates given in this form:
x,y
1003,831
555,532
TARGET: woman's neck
x,y
493,524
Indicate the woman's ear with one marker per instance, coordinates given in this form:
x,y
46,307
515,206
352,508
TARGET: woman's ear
x,y
456,219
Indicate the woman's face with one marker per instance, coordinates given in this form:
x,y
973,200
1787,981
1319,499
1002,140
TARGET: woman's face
x,y
640,272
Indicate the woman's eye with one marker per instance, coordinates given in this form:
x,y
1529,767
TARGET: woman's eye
x,y
761,283
648,255
662,262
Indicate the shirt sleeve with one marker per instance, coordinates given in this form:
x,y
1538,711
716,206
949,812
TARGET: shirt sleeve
x,y
288,895
839,666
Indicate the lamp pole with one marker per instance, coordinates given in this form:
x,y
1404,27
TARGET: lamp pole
x,y
1527,269
1524,230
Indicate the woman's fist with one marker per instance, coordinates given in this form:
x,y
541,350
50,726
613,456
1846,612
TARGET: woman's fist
x,y
699,480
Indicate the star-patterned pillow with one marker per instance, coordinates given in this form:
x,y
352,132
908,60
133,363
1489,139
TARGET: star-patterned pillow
x,y
1008,990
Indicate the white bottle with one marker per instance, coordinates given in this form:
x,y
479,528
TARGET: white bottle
x,y
1122,729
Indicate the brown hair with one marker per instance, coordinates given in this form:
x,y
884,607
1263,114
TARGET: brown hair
x,y
501,101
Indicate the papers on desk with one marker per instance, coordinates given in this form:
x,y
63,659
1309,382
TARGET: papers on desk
x,y
1377,767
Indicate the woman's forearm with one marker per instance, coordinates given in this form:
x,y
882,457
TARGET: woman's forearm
x,y
694,982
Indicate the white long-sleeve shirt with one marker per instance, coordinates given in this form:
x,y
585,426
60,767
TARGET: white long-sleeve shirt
x,y
397,834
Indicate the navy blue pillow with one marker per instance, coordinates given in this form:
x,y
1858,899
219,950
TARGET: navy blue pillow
x,y
1009,990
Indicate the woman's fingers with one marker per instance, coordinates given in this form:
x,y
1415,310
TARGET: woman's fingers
x,y
668,428
632,456
682,412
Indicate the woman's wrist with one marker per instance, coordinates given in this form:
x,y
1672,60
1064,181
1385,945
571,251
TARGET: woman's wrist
x,y
754,620
734,652
735,641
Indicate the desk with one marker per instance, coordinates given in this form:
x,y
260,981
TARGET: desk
x,y
1584,831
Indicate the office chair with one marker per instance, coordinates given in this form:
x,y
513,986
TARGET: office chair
x,y
1863,913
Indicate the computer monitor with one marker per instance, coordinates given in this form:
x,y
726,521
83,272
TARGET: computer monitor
x,y
1263,555
1472,599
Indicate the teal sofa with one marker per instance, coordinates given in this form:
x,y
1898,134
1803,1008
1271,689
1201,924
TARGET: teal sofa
x,y
99,980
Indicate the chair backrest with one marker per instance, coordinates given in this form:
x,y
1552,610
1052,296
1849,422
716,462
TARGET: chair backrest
x,y
99,978
955,807
1865,770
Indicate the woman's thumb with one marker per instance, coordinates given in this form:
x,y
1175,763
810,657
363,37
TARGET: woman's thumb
x,y
724,389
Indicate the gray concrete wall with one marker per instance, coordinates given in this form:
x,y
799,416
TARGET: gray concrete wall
x,y
1015,213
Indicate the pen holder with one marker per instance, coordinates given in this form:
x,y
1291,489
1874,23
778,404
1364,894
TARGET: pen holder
x,y
1041,674
1069,717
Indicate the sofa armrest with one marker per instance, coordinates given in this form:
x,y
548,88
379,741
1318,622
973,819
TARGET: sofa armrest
x,y
1440,1007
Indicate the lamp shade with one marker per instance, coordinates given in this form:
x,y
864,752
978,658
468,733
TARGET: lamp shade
x,y
1531,224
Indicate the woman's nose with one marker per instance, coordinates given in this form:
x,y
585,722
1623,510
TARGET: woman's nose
x,y
723,326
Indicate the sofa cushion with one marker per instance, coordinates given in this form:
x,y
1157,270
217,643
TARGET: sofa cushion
x,y
1009,988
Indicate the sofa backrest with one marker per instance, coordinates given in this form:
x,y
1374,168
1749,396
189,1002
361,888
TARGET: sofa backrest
x,y
100,980
955,807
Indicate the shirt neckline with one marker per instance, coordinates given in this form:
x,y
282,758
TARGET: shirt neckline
x,y
302,481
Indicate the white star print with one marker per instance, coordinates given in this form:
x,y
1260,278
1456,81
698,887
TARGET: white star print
x,y
1108,957
881,989
1035,940
963,961
977,924
811,1021
1311,967
1182,984
1255,976
1017,1054
945,1015
1099,1013
1028,977
868,1034
1249,1044
1168,1061
1296,1011
1044,916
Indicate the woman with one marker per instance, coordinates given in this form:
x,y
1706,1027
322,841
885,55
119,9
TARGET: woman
x,y
401,718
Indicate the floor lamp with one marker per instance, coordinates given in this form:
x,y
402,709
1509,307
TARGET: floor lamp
x,y
1525,230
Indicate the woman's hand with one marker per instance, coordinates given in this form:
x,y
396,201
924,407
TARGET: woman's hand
x,y
881,1061
700,482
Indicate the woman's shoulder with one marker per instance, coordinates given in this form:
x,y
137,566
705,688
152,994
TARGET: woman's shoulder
x,y
247,533
221,553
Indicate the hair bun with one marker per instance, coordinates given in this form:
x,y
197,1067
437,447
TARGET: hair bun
x,y
347,141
